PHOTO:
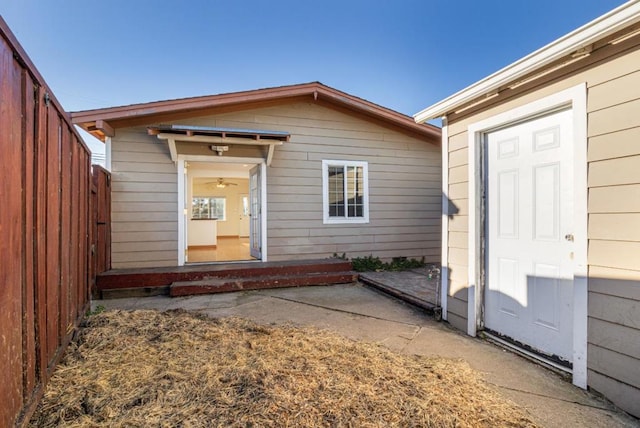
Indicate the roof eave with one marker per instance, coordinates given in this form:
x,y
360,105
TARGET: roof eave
x,y
87,119
616,20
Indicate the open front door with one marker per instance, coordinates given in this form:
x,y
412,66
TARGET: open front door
x,y
255,211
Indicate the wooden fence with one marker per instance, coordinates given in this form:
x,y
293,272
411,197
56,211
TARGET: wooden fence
x,y
101,223
45,230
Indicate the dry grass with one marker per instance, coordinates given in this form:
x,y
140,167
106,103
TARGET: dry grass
x,y
149,368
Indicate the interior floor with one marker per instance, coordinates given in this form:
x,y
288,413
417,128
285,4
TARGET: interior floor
x,y
229,248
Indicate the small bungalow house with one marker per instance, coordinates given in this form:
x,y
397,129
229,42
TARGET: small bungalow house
x,y
286,173
541,219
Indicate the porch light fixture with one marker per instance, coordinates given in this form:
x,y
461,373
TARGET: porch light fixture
x,y
219,149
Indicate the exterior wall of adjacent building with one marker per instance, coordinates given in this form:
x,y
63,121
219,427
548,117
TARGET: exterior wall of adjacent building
x,y
612,76
404,188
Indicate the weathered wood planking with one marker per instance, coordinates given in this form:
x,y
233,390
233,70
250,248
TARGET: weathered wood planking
x,y
45,223
102,184
11,250
29,360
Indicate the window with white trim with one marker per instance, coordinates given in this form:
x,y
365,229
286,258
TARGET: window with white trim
x,y
209,208
345,191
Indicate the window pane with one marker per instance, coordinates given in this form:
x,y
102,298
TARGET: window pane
x,y
355,191
336,191
208,208
218,208
245,206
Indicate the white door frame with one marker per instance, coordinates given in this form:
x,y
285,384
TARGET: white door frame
x,y
182,197
576,98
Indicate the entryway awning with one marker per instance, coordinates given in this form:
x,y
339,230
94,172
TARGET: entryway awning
x,y
219,138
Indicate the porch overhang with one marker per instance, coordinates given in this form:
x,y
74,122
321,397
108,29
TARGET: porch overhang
x,y
219,138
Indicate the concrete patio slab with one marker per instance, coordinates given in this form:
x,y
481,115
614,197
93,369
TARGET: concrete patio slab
x,y
361,313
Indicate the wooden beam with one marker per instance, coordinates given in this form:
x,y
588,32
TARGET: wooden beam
x,y
106,129
173,150
270,154
218,140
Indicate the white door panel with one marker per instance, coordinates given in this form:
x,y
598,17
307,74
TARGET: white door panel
x,y
529,275
243,210
255,211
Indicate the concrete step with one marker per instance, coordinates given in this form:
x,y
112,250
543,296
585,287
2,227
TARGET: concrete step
x,y
223,285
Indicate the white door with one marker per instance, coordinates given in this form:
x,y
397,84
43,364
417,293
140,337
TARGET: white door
x,y
186,210
529,275
255,212
243,209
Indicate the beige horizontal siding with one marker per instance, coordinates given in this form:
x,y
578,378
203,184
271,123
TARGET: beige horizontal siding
x,y
459,223
459,273
458,256
615,199
457,307
620,339
126,247
142,237
614,118
457,321
144,201
620,90
616,254
614,145
141,187
614,365
459,240
613,154
131,259
458,142
616,310
404,185
614,282
144,226
458,191
458,157
459,174
615,172
143,197
623,395
615,226
404,188
460,206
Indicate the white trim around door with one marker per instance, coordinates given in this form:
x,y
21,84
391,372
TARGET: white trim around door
x,y
444,262
576,99
182,208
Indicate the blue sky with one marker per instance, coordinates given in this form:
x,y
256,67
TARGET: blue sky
x,y
402,54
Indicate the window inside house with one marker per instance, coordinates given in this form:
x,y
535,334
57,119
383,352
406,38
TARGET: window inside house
x,y
245,206
345,198
208,208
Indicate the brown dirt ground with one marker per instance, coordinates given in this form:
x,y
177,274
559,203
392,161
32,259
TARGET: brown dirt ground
x,y
180,369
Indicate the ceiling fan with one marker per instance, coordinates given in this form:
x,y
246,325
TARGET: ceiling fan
x,y
221,183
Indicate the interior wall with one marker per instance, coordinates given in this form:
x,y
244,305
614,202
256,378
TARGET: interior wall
x,y
232,194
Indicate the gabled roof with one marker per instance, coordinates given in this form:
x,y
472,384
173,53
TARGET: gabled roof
x,y
103,122
559,53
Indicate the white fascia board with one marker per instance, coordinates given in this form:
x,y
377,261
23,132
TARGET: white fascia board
x,y
616,20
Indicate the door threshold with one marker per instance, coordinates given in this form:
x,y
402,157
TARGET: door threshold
x,y
536,357
222,262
